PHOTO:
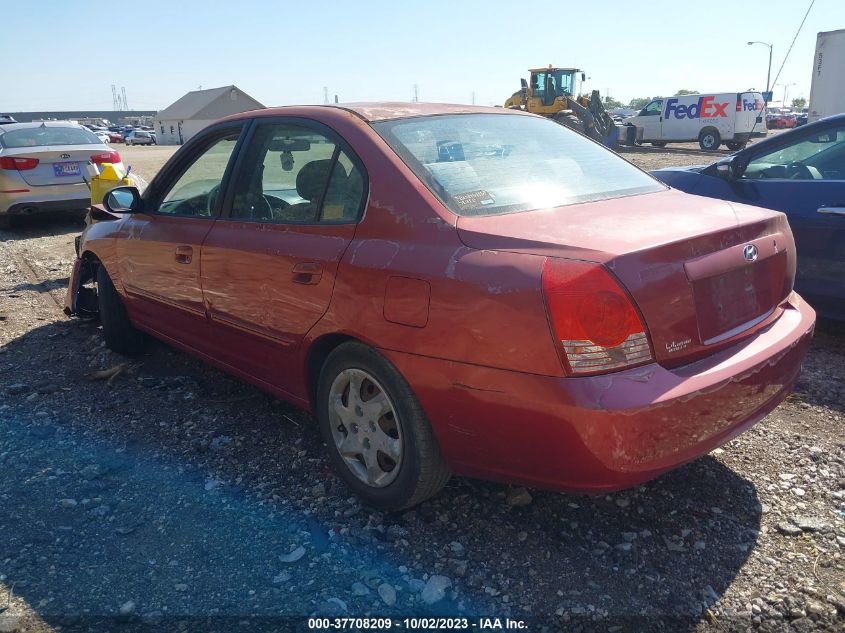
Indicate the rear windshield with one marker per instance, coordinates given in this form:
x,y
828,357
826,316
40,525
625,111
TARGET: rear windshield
x,y
40,136
488,164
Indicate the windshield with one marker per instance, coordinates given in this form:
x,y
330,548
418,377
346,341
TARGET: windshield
x,y
43,135
487,164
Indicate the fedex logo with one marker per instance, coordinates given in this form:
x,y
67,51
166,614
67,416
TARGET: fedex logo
x,y
706,108
751,106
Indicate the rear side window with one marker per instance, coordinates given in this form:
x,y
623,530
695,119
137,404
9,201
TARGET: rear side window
x,y
42,136
291,174
488,164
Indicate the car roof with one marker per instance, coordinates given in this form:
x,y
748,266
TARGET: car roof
x,y
380,111
33,124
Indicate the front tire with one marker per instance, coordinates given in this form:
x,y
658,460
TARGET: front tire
x,y
378,437
121,336
734,146
709,139
658,143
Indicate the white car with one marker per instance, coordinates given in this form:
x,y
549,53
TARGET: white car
x,y
44,167
103,136
139,137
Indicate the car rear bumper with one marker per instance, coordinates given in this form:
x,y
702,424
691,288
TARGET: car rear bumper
x,y
46,198
609,432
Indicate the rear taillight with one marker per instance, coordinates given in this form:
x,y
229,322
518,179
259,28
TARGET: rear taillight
x,y
596,325
105,157
18,163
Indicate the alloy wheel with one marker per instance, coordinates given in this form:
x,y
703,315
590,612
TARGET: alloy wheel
x,y
365,427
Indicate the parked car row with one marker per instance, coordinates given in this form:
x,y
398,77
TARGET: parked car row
x,y
780,119
645,326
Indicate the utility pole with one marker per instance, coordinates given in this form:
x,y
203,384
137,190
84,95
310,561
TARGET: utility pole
x,y
125,103
115,102
325,94
473,97
416,97
769,72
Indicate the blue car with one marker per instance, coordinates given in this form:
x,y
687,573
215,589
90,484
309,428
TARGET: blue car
x,y
802,173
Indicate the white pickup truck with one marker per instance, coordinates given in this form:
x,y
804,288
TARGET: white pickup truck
x,y
711,119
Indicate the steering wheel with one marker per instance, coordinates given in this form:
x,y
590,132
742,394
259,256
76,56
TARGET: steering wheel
x,y
211,199
262,210
276,205
798,171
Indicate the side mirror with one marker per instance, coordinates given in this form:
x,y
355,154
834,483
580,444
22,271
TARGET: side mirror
x,y
583,77
123,200
727,168
523,83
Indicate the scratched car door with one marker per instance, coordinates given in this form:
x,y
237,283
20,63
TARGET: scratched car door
x,y
269,263
159,253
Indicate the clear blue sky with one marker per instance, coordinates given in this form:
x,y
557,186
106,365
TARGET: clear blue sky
x,y
63,55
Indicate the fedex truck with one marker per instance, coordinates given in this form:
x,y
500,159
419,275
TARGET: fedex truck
x,y
827,92
711,119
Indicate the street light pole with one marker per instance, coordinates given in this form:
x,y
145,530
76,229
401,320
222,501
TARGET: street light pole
x,y
785,88
769,72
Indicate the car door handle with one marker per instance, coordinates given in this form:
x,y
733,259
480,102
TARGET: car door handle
x,y
831,210
307,273
184,254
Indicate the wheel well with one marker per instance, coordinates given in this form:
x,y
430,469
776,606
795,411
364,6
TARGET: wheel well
x,y
709,128
90,263
317,355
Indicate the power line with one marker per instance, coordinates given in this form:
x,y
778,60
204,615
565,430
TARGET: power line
x,y
812,2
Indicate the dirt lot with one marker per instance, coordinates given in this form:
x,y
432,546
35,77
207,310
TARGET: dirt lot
x,y
175,497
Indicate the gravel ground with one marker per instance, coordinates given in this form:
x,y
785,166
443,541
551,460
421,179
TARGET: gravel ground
x,y
172,496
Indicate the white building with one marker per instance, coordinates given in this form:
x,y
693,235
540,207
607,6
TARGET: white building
x,y
188,115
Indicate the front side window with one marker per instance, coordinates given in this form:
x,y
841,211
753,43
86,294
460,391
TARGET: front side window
x,y
652,109
488,164
563,82
42,136
195,192
294,174
814,156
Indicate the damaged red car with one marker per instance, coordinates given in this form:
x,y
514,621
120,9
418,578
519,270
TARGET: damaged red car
x,y
455,289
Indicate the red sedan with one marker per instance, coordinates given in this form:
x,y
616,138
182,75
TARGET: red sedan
x,y
455,289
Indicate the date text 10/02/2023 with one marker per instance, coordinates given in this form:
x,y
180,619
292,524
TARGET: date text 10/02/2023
x,y
423,623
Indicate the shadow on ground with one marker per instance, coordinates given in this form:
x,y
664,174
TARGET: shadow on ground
x,y
33,226
173,492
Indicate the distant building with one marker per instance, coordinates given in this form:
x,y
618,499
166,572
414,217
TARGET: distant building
x,y
188,115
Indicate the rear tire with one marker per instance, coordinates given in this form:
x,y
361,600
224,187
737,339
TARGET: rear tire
x,y
398,424
121,336
709,139
5,222
658,143
734,146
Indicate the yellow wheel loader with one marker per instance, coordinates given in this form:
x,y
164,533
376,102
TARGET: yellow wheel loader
x,y
553,92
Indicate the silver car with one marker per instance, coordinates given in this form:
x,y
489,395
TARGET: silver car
x,y
44,167
139,137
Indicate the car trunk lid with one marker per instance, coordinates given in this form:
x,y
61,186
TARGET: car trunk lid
x,y
57,164
682,258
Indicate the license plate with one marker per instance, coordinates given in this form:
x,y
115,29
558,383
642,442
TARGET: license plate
x,y
66,169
